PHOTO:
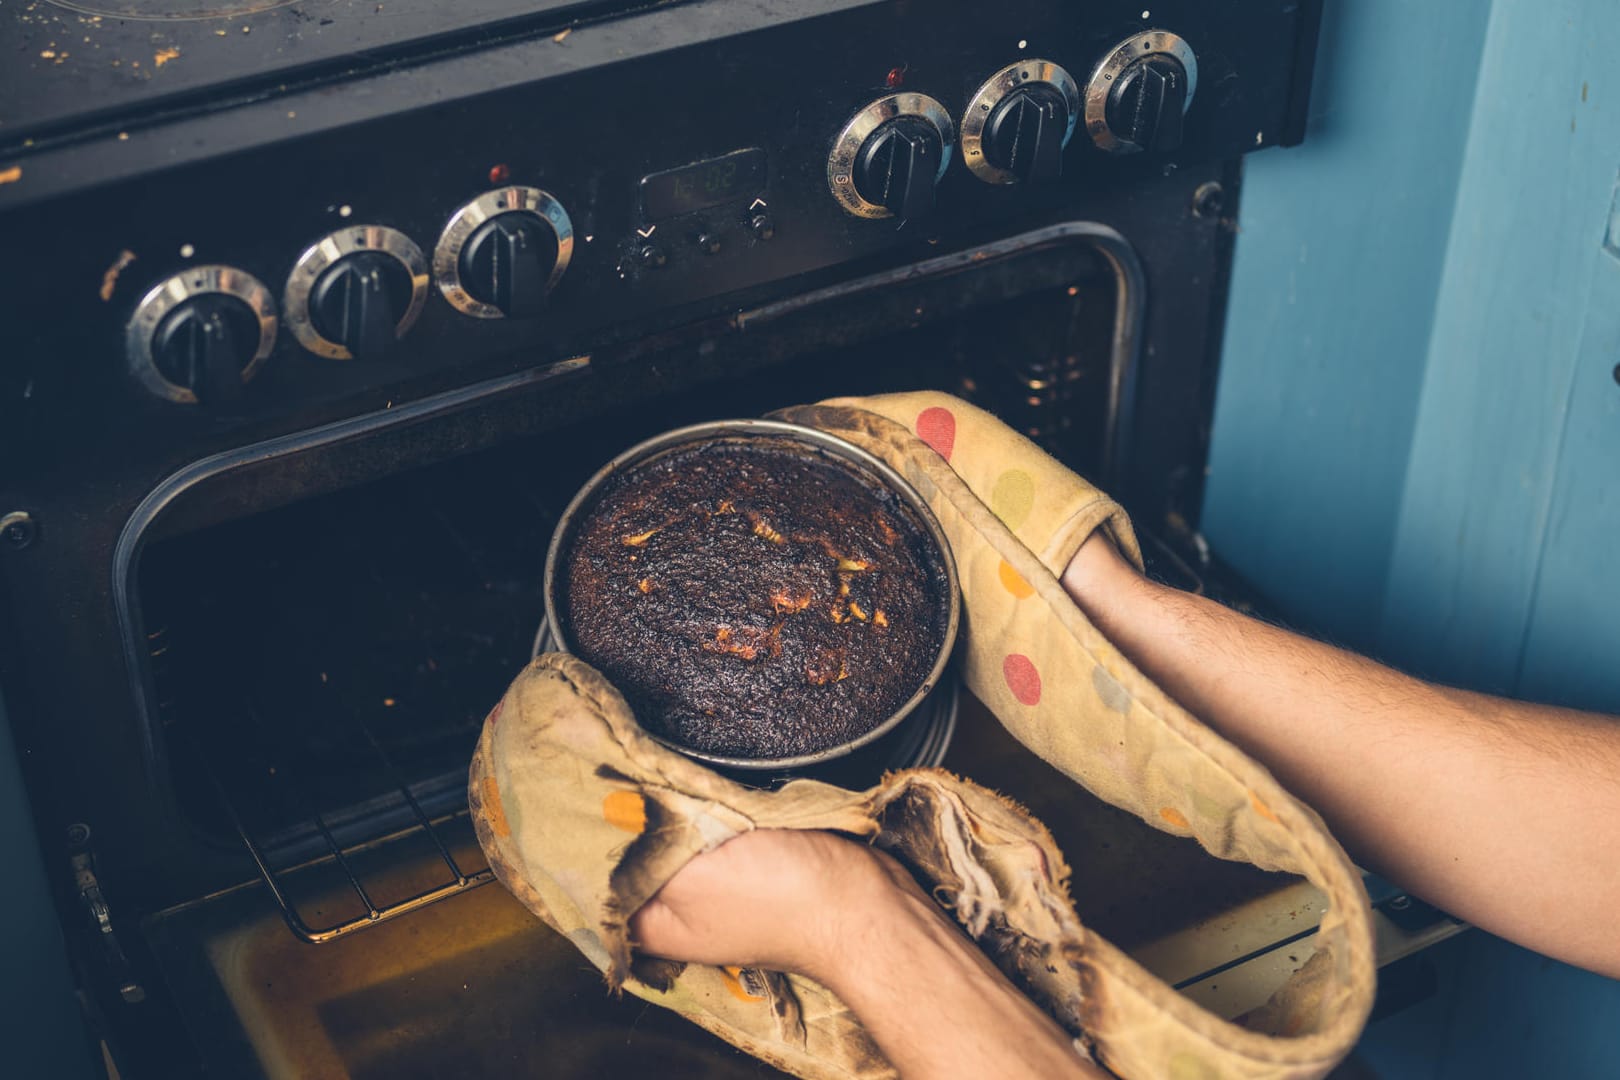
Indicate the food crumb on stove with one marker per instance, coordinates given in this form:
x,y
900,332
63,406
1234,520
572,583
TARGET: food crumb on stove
x,y
557,37
163,56
109,279
855,610
879,619
645,585
388,702
11,175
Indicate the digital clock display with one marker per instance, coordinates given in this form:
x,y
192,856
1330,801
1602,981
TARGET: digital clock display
x,y
737,175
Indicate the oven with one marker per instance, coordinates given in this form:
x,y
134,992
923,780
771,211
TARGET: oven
x,y
318,314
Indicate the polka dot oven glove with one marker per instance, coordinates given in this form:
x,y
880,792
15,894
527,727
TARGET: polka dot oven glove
x,y
583,817
1015,517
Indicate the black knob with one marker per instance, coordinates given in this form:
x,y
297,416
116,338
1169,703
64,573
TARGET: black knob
x,y
204,344
359,301
1147,102
898,165
508,262
1025,133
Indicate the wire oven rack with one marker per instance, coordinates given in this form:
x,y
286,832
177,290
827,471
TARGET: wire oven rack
x,y
387,807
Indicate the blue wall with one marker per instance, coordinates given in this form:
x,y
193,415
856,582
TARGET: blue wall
x,y
1417,433
1333,297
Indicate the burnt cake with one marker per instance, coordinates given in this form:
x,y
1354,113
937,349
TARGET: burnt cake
x,y
754,598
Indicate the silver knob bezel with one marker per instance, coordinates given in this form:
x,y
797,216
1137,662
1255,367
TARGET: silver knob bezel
x,y
992,93
169,294
491,204
1133,48
323,255
841,160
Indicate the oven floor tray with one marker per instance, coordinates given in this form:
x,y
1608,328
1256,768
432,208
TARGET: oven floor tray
x,y
475,986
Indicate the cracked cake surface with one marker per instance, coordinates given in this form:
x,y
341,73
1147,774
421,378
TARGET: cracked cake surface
x,y
754,598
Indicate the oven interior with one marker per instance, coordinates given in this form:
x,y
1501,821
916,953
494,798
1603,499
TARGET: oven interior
x,y
309,661
319,672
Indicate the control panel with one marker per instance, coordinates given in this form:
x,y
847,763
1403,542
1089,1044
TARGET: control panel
x,y
535,217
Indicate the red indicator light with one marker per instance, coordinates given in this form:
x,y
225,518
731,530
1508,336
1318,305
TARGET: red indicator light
x,y
500,174
895,79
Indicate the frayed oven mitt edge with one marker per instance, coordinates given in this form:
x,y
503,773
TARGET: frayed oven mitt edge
x,y
583,818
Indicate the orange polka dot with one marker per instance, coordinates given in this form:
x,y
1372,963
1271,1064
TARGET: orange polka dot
x,y
1263,810
1013,497
733,980
625,810
1013,581
494,812
1022,678
937,428
1175,817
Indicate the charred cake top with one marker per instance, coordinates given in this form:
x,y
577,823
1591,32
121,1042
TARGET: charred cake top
x,y
755,598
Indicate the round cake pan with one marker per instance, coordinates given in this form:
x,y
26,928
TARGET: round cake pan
x,y
814,440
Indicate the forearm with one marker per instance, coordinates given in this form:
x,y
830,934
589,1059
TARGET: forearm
x,y
937,1007
1506,814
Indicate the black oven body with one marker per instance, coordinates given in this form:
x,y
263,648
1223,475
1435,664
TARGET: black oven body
x,y
1086,309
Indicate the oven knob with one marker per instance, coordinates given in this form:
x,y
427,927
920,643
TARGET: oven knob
x,y
355,293
1140,92
199,336
503,253
1018,123
888,158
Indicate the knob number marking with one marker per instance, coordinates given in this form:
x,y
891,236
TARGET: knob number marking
x,y
841,162
1122,56
169,294
447,254
325,254
991,94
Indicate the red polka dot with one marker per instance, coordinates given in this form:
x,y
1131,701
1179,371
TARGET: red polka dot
x,y
937,428
1022,678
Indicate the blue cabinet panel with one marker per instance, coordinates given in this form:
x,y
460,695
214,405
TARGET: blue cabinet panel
x,y
1337,266
1572,641
1504,363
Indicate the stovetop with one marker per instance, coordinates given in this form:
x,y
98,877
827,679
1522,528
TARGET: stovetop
x,y
76,64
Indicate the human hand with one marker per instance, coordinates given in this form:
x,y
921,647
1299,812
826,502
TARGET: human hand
x,y
783,900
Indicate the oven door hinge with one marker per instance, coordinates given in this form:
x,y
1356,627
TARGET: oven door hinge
x,y
83,861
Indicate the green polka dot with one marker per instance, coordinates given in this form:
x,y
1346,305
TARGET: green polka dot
x,y
1213,809
1013,497
1185,1066
1113,695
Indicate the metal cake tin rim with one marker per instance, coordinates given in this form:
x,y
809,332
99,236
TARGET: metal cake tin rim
x,y
714,430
